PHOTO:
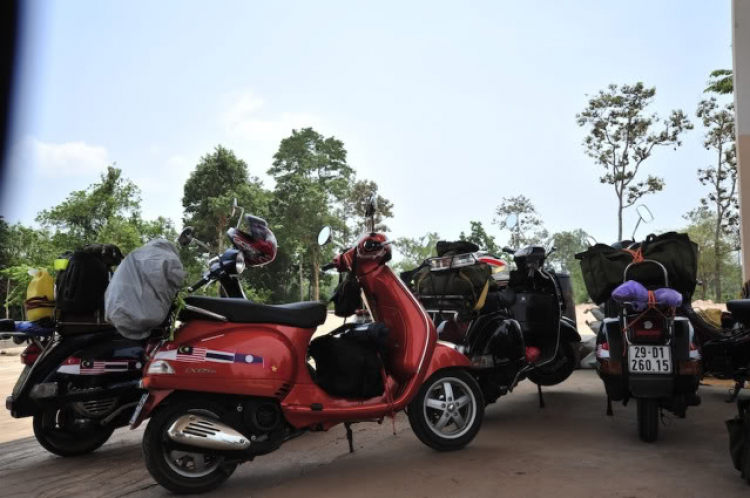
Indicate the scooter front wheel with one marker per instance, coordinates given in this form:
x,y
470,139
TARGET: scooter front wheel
x,y
176,469
447,412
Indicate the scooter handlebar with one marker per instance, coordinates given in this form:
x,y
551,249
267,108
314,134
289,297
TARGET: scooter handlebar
x,y
329,266
198,284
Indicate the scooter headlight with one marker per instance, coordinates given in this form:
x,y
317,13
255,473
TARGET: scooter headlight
x,y
160,367
239,263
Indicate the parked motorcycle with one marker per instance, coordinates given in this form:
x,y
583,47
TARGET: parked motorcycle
x,y
235,383
525,329
81,379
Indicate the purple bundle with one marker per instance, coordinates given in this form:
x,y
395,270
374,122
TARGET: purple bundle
x,y
635,294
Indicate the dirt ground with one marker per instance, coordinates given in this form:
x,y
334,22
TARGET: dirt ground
x,y
569,449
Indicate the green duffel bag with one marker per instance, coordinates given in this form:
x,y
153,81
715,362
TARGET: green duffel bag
x,y
467,286
602,267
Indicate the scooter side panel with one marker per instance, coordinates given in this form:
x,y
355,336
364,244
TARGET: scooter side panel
x,y
233,358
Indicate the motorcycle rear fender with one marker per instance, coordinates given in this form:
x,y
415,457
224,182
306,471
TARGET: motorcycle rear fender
x,y
155,397
446,355
568,331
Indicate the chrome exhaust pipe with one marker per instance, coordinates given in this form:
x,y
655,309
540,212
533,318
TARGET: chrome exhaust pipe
x,y
208,433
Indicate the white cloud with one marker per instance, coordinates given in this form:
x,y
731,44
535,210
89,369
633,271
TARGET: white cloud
x,y
58,160
242,119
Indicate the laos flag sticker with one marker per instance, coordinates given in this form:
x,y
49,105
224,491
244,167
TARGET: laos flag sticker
x,y
248,358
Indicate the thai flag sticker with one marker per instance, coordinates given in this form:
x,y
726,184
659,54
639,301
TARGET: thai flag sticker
x,y
191,354
248,358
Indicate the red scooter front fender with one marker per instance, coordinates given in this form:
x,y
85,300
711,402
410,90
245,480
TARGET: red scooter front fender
x,y
446,356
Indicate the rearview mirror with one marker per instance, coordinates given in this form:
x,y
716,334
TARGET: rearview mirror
x,y
645,213
511,221
372,205
186,237
325,236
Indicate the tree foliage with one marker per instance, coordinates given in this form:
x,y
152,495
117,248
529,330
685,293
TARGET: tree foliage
x,y
720,82
529,228
414,250
479,236
721,176
622,135
312,180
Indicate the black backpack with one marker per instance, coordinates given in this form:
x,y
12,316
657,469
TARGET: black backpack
x,y
81,286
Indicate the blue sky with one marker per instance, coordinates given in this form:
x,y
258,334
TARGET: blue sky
x,y
448,106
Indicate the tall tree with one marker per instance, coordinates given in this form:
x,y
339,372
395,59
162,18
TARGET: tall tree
x,y
479,236
312,179
720,82
529,227
622,135
567,244
219,178
721,176
353,205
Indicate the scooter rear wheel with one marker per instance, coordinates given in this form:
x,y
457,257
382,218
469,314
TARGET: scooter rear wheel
x,y
648,419
54,430
183,472
447,412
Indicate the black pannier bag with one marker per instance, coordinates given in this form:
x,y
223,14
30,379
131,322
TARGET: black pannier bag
x,y
464,288
348,360
739,439
80,288
603,266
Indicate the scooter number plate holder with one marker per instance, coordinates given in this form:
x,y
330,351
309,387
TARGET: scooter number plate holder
x,y
139,408
649,360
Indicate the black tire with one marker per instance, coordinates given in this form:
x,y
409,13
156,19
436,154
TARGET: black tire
x,y
648,419
157,455
467,418
52,428
558,370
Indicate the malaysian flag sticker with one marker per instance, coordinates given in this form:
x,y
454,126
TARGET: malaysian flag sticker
x,y
191,354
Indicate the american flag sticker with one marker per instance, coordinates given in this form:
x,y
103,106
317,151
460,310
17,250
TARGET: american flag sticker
x,y
191,354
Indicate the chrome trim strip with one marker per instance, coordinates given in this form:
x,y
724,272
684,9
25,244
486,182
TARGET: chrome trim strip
x,y
201,311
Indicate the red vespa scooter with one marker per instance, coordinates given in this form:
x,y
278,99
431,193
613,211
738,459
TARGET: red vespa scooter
x,y
235,383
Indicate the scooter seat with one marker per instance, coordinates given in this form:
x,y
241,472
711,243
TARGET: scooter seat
x,y
740,309
306,315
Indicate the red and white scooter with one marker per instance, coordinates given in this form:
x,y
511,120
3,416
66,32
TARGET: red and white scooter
x,y
235,383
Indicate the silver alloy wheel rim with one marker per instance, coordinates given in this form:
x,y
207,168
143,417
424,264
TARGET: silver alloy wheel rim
x,y
449,408
192,465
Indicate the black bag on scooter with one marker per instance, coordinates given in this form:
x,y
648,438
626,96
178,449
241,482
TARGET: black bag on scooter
x,y
347,361
739,439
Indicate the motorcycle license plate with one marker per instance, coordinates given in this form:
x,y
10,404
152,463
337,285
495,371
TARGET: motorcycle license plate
x,y
650,359
138,409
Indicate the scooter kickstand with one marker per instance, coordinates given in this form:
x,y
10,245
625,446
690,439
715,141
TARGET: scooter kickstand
x,y
349,436
733,393
610,413
541,398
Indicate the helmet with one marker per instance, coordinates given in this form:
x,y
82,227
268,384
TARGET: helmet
x,y
257,242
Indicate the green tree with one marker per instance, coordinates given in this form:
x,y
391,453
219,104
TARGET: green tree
x,y
721,176
701,229
352,209
312,180
622,135
567,244
479,236
720,82
529,227
209,192
415,250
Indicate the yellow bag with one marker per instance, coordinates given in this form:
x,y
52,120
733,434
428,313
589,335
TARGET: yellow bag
x,y
40,297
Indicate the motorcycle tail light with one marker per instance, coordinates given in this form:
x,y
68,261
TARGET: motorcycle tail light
x,y
647,331
452,262
30,354
602,351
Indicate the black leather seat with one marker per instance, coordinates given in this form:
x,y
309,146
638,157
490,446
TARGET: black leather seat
x,y
305,315
740,309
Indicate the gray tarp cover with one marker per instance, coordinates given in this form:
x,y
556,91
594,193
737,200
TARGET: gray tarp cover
x,y
143,287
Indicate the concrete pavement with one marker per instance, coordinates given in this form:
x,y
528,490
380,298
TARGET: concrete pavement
x,y
568,449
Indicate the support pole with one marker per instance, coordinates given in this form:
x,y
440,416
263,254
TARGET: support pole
x,y
741,75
